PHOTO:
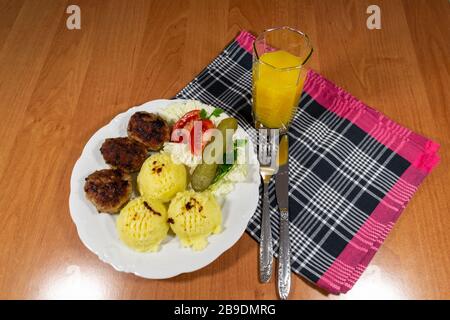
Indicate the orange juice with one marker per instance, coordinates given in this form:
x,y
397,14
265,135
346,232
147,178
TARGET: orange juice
x,y
277,85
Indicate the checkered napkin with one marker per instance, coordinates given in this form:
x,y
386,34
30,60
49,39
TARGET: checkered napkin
x,y
352,170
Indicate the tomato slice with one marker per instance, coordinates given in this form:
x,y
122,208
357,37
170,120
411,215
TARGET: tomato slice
x,y
187,122
187,118
203,140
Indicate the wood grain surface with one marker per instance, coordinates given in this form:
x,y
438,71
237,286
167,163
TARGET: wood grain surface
x,y
58,86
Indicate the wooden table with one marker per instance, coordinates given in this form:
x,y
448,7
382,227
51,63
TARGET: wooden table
x,y
58,86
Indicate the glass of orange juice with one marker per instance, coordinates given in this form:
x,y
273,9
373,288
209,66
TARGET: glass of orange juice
x,y
279,58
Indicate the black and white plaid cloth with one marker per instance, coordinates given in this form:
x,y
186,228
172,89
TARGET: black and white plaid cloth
x,y
349,178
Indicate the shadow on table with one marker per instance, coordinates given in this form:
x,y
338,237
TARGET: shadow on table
x,y
230,259
245,250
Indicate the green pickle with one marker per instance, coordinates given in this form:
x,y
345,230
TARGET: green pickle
x,y
203,176
204,173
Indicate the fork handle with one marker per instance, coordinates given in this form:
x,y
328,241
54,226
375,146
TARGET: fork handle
x,y
265,245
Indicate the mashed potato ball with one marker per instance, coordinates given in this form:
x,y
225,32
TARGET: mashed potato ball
x,y
142,224
193,217
160,178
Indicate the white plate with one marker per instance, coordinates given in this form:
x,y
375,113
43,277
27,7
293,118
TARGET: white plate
x,y
98,232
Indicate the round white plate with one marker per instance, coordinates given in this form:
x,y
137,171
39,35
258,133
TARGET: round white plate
x,y
98,232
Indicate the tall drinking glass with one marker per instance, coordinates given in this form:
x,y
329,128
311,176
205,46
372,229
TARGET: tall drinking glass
x,y
279,57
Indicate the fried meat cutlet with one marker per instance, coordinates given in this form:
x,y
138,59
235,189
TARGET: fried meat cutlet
x,y
108,189
148,129
124,153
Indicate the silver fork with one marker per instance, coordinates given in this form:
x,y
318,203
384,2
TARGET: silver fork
x,y
266,147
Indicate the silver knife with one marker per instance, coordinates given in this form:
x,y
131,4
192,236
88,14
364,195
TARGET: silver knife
x,y
282,191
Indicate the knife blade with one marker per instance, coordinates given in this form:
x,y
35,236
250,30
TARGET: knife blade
x,y
282,176
282,192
